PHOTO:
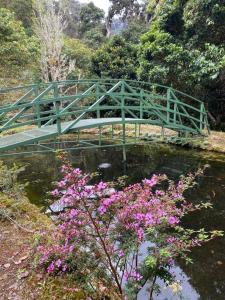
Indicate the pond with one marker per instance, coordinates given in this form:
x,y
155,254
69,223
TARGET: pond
x,y
205,279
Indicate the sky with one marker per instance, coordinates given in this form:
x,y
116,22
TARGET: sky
x,y
104,4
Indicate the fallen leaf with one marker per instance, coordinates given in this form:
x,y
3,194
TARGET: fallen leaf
x,y
24,257
24,275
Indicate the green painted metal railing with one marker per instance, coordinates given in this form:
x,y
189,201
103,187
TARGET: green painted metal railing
x,y
57,102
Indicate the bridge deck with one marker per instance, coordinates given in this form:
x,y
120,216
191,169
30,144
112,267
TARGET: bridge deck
x,y
44,133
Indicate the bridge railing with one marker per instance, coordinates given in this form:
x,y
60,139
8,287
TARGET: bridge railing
x,y
54,103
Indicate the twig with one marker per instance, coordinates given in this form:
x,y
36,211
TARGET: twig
x,y
17,224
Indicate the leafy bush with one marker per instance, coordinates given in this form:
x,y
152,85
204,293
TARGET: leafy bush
x,y
100,236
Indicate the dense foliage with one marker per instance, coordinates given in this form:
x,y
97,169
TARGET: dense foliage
x,y
18,50
112,241
185,48
116,59
177,43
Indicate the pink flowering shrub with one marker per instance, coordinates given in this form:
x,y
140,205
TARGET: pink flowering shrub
x,y
100,236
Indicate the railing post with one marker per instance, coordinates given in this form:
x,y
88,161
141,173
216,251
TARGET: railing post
x,y
201,116
123,111
57,107
97,97
141,104
175,114
37,107
168,105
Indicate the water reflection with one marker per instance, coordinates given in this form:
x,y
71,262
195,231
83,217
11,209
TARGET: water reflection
x,y
205,279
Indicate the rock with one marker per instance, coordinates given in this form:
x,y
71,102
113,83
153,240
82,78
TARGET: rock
x,y
24,275
104,166
6,266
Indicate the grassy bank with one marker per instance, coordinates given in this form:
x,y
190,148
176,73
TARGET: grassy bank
x,y
214,142
20,224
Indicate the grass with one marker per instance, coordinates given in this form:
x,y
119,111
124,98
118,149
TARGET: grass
x,y
21,223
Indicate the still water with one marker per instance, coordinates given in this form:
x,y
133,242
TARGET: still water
x,y
205,279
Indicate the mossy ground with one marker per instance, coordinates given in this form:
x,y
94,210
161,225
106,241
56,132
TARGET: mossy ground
x,y
19,280
214,142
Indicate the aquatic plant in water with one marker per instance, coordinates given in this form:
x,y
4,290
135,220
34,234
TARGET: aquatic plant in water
x,y
99,238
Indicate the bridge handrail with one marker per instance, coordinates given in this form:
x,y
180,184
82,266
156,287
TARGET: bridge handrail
x,y
167,106
10,107
6,90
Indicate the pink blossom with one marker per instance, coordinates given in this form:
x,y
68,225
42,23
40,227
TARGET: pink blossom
x,y
140,233
51,267
58,263
101,186
121,253
173,220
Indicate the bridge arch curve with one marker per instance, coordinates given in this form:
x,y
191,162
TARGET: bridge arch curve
x,y
58,108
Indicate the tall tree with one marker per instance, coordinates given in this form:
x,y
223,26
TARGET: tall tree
x,y
90,16
17,51
116,59
49,28
23,10
72,10
131,12
184,47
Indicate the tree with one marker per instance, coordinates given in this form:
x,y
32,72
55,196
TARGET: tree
x,y
133,32
116,59
91,17
17,51
205,22
125,8
71,9
131,12
78,52
49,28
23,10
95,37
184,48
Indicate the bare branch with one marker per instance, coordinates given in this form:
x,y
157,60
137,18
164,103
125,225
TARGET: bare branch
x,y
49,27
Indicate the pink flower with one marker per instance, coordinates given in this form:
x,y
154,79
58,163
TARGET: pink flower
x,y
101,186
76,171
140,233
173,220
150,182
121,253
51,267
171,240
64,268
73,213
58,263
55,193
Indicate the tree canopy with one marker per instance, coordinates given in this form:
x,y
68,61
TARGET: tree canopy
x,y
178,43
18,50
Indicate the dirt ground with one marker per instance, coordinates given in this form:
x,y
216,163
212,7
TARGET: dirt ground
x,y
14,262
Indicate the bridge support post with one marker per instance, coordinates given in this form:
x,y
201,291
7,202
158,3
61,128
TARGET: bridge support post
x,y
139,131
135,132
112,132
124,154
163,132
100,136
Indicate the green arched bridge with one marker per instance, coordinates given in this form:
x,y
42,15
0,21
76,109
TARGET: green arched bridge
x,y
58,108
